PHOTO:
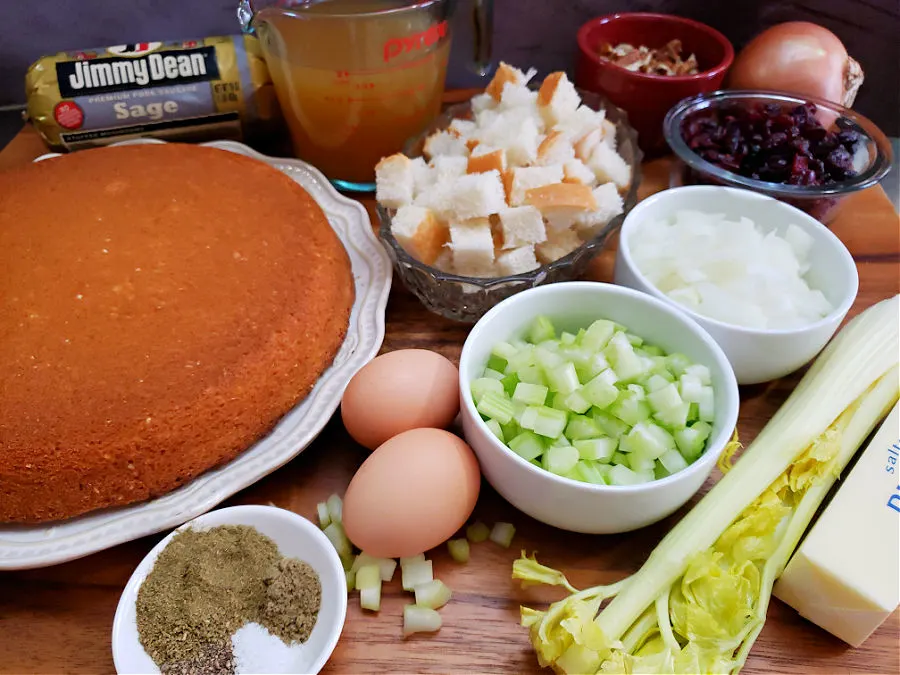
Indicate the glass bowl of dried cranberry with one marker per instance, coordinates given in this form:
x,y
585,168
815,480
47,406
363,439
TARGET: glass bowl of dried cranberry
x,y
805,151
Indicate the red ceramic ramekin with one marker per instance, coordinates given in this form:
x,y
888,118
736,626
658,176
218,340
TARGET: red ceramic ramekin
x,y
647,98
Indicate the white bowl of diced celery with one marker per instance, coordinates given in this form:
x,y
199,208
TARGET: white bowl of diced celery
x,y
595,408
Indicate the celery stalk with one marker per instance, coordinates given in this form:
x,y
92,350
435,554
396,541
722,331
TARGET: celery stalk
x,y
700,599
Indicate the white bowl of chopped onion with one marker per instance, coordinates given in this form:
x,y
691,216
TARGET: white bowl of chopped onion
x,y
610,497
770,283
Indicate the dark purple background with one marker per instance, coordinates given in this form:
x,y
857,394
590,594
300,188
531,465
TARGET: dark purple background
x,y
536,33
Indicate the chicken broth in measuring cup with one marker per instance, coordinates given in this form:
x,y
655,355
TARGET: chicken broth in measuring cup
x,y
355,78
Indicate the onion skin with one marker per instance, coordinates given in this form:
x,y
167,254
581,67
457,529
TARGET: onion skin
x,y
800,58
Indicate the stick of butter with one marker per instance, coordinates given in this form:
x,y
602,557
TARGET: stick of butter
x,y
845,576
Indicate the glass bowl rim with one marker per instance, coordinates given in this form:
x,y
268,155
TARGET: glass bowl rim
x,y
598,241
878,168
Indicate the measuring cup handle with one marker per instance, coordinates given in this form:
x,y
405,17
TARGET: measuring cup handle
x,y
483,31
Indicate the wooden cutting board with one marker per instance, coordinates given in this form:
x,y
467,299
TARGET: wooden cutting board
x,y
59,619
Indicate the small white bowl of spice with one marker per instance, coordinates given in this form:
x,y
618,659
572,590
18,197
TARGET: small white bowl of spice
x,y
245,589
768,282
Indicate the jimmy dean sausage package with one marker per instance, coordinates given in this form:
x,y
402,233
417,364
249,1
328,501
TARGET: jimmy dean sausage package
x,y
194,90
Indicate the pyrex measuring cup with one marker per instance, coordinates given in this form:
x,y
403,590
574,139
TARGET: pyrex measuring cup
x,y
357,78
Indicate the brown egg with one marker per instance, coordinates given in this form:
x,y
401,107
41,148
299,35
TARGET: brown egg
x,y
411,494
398,391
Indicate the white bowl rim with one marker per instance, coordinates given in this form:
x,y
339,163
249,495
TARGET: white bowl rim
x,y
837,313
708,457
316,536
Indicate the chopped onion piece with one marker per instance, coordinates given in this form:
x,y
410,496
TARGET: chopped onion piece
x,y
477,532
503,534
415,574
433,594
459,550
420,620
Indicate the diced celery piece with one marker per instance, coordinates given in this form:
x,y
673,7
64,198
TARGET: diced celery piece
x,y
561,459
532,375
701,372
576,402
558,401
564,378
692,440
541,329
338,538
677,363
533,394
459,550
550,422
581,427
637,391
652,350
600,391
558,442
496,363
494,426
510,430
645,476
611,426
484,385
620,353
419,557
528,417
370,598
630,408
335,508
649,440
622,475
619,458
676,418
527,445
635,340
492,374
368,576
496,406
519,343
549,345
690,387
420,620
323,515
433,594
509,383
659,471
386,566
638,462
537,463
693,412
547,359
503,350
502,534
567,338
595,365
589,473
596,449
350,578
660,366
656,382
572,475
415,574
706,405
523,358
665,398
477,532
672,461
598,334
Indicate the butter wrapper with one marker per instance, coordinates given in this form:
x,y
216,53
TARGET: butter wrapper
x,y
194,90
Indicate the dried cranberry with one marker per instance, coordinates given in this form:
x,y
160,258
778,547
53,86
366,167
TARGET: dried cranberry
x,y
848,138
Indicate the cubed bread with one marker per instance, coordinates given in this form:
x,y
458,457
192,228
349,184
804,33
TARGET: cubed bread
x,y
517,261
522,179
444,262
555,149
520,226
449,168
424,176
576,124
584,146
559,243
560,203
609,205
557,98
609,133
482,102
608,165
517,96
484,159
505,74
462,128
419,232
518,134
472,246
576,171
477,195
394,181
446,144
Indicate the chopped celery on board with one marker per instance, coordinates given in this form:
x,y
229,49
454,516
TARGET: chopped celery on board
x,y
563,400
700,600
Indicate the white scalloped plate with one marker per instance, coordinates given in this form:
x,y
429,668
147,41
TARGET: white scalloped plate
x,y
24,547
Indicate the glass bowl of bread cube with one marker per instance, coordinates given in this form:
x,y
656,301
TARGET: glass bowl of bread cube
x,y
520,186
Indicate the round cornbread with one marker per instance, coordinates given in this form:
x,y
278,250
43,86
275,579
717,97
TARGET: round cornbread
x,y
161,307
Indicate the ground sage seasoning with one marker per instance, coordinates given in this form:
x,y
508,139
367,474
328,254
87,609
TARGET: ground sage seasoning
x,y
206,584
